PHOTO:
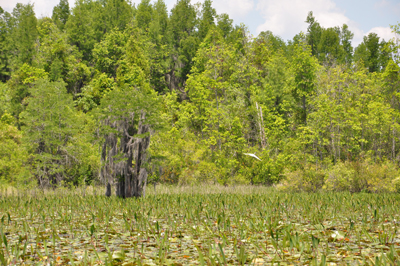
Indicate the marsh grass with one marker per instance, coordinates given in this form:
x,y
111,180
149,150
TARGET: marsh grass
x,y
198,225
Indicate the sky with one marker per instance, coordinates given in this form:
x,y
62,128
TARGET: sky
x,y
285,18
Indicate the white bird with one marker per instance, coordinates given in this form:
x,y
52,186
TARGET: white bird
x,y
252,155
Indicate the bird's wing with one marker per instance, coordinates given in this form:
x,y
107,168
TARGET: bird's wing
x,y
252,155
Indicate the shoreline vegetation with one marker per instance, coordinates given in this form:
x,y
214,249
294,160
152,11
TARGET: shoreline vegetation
x,y
112,93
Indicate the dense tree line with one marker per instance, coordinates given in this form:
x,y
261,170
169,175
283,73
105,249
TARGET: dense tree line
x,y
85,92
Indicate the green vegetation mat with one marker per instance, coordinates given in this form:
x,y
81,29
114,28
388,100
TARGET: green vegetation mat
x,y
200,226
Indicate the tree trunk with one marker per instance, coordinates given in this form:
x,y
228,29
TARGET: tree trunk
x,y
130,169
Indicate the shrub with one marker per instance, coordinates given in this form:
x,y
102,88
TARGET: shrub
x,y
308,179
363,175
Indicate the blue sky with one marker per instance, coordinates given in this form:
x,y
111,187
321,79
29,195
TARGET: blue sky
x,y
286,17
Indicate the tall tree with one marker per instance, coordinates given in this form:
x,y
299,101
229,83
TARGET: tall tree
x,y
52,128
144,14
24,34
225,24
126,115
59,58
5,32
160,48
370,51
61,14
314,31
91,20
85,26
20,83
184,43
372,43
329,48
117,14
345,39
207,18
304,67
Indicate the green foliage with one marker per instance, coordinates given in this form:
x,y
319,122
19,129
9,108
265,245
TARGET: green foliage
x,y
206,22
93,93
313,33
5,18
210,91
182,160
90,20
304,68
61,14
5,98
144,14
108,53
345,38
269,171
59,58
372,53
365,175
182,41
23,34
55,134
14,167
329,45
308,179
19,85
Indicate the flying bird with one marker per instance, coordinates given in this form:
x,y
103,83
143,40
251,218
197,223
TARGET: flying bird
x,y
252,155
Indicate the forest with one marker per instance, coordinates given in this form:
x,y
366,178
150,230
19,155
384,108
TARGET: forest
x,y
108,92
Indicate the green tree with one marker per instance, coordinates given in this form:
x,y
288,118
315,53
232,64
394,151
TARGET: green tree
x,y
159,49
219,111
345,39
109,52
61,14
126,115
58,58
396,42
83,26
372,53
304,67
144,14
23,35
372,43
206,21
14,167
314,32
117,14
329,48
54,130
5,98
90,20
183,42
19,85
5,38
225,24
159,24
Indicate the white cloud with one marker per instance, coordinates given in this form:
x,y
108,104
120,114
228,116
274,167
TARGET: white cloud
x,y
8,5
42,8
287,17
234,8
383,32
